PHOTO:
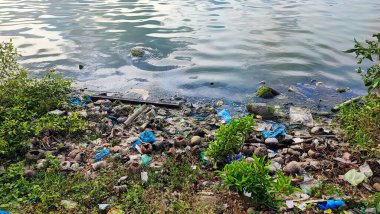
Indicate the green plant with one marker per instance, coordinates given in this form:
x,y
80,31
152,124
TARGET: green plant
x,y
370,51
253,177
230,137
25,102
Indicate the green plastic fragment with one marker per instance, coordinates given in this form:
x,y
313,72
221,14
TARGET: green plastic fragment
x,y
354,177
145,159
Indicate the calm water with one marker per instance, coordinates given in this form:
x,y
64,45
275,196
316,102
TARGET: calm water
x,y
193,47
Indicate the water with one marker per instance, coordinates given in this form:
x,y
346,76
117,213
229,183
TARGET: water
x,y
211,48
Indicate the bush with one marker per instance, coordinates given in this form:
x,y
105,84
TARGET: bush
x,y
25,102
253,177
230,137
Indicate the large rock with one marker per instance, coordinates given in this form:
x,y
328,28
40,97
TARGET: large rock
x,y
266,92
262,109
301,116
292,168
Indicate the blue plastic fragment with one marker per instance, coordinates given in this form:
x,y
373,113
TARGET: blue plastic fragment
x,y
331,204
100,154
87,99
135,144
114,119
147,136
237,157
276,129
76,101
4,212
225,115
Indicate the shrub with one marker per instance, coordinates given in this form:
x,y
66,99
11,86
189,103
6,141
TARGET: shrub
x,y
370,51
253,177
25,102
230,137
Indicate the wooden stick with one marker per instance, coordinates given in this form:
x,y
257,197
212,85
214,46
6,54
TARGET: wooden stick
x,y
135,101
135,114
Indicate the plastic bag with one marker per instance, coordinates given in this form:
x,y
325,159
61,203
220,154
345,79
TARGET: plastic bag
x,y
225,115
147,136
100,154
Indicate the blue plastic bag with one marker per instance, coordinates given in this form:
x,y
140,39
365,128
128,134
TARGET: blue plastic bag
x,y
331,204
276,129
76,101
4,212
147,136
135,144
100,154
225,115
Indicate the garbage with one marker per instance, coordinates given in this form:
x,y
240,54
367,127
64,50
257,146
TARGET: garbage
x,y
145,159
354,177
144,176
4,212
147,136
113,119
290,204
135,144
224,115
366,170
275,130
331,204
203,159
237,157
67,204
100,154
76,101
301,116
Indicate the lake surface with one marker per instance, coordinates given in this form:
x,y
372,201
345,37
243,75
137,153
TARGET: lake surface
x,y
212,48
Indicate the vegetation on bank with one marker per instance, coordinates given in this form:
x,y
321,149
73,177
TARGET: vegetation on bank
x,y
361,121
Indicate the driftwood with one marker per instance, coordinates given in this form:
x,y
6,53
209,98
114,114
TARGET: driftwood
x,y
135,101
135,114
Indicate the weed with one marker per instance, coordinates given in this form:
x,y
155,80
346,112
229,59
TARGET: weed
x,y
230,137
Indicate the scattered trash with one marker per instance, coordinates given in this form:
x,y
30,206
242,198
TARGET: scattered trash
x,y
224,115
203,159
147,136
290,204
100,154
144,176
275,130
301,116
331,204
145,159
76,101
354,177
135,144
237,157
4,212
113,119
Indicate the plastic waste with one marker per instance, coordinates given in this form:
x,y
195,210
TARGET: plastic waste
x,y
237,157
275,130
225,115
76,101
135,144
331,204
100,154
145,159
354,177
4,212
147,136
203,158
114,119
144,176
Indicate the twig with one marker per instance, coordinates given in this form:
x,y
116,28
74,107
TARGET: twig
x,y
135,101
135,114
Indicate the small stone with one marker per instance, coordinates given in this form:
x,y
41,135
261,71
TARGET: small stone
x,y
29,173
290,89
271,142
35,155
133,168
266,92
294,152
262,109
341,90
65,165
99,165
104,207
247,149
137,52
195,140
274,167
74,167
376,186
261,152
292,168
279,160
313,154
316,130
315,165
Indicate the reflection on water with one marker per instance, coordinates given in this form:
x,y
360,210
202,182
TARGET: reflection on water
x,y
191,43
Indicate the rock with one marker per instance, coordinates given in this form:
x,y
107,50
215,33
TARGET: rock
x,y
376,186
274,167
120,188
195,140
294,152
341,90
65,165
160,145
75,167
121,119
316,130
271,142
80,157
266,92
366,170
70,205
262,109
180,141
72,154
30,173
172,150
134,168
247,149
261,152
41,163
279,160
315,165
103,208
288,139
81,67
313,154
292,168
35,155
99,165
137,52
300,116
